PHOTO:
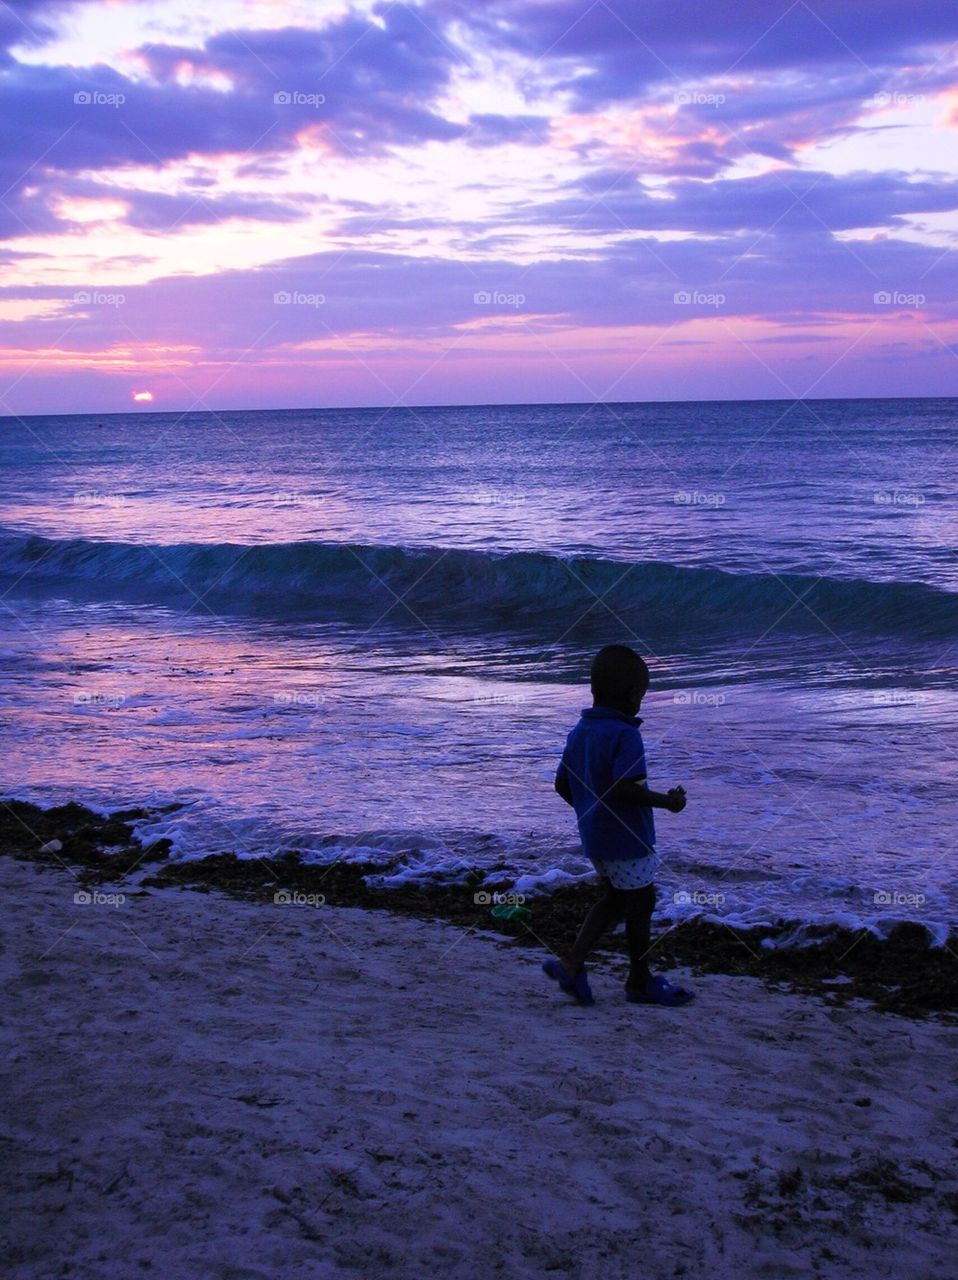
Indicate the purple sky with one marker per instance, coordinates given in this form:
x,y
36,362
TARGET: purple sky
x,y
298,204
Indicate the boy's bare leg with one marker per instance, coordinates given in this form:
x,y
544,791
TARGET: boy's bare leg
x,y
638,928
605,913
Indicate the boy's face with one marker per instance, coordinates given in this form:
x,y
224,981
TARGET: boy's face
x,y
636,693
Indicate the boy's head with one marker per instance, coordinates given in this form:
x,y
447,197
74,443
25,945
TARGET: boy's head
x,y
619,678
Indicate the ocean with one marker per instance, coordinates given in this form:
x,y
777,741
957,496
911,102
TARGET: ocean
x,y
366,633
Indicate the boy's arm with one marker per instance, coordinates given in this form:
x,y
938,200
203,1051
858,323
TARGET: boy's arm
x,y
562,784
636,791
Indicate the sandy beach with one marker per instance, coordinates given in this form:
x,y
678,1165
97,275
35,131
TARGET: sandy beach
x,y
206,1087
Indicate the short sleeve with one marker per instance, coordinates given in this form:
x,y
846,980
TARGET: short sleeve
x,y
628,759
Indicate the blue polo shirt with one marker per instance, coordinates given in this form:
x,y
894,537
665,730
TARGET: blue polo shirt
x,y
603,748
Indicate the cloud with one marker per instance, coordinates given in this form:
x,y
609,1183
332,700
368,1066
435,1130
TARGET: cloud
x,y
355,87
634,116
162,212
796,201
714,83
617,49
366,82
490,130
29,23
363,298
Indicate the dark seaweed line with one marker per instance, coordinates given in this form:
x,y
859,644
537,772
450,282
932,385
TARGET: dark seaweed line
x,y
901,973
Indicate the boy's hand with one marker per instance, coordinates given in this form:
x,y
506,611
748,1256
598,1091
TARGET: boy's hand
x,y
676,799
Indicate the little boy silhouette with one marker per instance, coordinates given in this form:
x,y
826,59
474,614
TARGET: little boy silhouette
x,y
602,775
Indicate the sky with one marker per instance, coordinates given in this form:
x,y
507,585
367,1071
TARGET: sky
x,y
280,204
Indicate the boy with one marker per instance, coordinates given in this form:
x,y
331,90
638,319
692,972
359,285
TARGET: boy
x,y
602,775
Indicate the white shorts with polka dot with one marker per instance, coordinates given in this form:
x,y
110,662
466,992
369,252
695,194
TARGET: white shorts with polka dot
x,y
628,873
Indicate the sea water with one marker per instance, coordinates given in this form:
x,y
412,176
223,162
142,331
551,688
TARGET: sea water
x,y
366,633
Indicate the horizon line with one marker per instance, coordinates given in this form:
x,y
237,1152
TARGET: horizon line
x,y
502,404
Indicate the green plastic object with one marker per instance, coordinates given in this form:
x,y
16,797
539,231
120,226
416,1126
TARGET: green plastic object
x,y
506,911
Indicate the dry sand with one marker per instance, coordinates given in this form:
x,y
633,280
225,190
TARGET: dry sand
x,y
203,1087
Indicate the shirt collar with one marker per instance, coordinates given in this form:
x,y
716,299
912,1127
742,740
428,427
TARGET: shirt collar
x,y
609,713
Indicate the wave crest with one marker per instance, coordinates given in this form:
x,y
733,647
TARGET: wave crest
x,y
434,582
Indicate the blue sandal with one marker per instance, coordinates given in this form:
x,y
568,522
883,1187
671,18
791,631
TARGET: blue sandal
x,y
659,990
577,986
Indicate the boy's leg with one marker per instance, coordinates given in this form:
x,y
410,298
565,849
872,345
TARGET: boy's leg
x,y
605,913
640,903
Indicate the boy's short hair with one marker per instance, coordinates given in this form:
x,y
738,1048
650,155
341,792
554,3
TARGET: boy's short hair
x,y
615,670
